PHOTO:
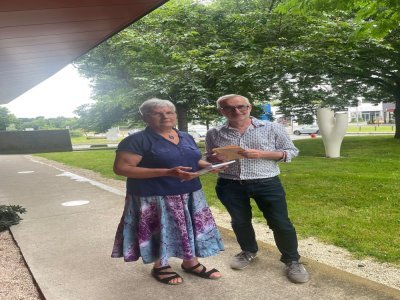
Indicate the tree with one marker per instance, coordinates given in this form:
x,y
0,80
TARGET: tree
x,y
186,52
360,65
100,116
6,118
62,123
152,58
376,18
42,123
193,53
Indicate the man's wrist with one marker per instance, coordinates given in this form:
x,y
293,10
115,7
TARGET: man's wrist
x,y
284,156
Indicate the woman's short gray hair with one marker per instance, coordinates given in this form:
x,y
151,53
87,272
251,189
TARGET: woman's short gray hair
x,y
148,105
226,97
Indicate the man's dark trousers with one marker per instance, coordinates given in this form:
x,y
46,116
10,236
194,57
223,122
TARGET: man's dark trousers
x,y
269,195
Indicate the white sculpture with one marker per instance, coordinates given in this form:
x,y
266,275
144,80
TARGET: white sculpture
x,y
332,127
112,134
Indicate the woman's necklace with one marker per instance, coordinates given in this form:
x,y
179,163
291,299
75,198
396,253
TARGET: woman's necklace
x,y
169,136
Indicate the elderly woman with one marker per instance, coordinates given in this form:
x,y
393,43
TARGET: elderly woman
x,y
166,214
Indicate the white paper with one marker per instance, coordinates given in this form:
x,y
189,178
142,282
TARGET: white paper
x,y
216,166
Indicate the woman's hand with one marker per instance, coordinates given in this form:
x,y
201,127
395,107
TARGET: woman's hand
x,y
182,173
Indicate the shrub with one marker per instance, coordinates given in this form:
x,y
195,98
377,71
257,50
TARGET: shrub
x,y
9,215
75,133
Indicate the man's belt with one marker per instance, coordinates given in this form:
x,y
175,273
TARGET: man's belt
x,y
249,181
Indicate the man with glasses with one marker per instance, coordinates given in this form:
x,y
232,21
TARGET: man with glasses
x,y
255,176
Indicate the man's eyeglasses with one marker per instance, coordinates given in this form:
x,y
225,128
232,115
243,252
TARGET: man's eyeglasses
x,y
231,109
167,114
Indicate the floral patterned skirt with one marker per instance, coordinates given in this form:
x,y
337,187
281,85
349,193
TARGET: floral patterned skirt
x,y
160,227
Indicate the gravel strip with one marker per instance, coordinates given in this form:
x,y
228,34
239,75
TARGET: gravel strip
x,y
15,279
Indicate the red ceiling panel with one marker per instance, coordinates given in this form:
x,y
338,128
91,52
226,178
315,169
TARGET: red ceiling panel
x,y
38,38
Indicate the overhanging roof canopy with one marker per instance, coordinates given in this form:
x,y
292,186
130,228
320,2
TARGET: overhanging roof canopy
x,y
40,37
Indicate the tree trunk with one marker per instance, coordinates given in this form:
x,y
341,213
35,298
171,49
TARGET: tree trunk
x,y
397,118
182,117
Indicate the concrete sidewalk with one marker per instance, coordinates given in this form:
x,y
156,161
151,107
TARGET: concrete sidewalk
x,y
67,249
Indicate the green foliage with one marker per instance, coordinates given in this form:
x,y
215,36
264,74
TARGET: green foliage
x,y
157,64
100,117
355,45
9,215
376,18
6,118
351,202
42,123
192,53
185,51
75,133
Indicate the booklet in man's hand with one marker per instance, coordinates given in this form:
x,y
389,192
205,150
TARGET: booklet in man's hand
x,y
230,152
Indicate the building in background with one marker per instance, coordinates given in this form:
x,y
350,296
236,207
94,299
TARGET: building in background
x,y
382,113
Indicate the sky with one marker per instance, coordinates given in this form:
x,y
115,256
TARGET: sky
x,y
57,96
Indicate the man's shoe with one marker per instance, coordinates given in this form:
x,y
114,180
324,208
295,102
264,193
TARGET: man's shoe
x,y
296,272
242,260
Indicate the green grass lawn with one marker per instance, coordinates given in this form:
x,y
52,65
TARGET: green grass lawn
x,y
370,128
83,140
351,202
352,128
100,161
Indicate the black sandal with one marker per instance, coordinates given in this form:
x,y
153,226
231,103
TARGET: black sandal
x,y
203,273
156,273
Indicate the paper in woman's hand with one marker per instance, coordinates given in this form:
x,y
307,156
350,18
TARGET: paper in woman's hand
x,y
213,167
230,152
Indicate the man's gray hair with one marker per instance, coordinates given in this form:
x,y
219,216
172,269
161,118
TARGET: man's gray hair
x,y
148,105
226,97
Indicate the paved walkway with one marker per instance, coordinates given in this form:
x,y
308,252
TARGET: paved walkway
x,y
67,249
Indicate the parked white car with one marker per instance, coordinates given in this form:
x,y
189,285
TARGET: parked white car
x,y
310,129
